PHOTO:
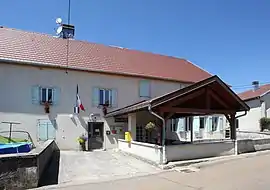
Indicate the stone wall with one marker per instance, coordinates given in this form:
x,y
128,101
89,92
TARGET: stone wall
x,y
23,170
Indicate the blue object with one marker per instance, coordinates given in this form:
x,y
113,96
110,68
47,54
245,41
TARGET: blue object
x,y
11,148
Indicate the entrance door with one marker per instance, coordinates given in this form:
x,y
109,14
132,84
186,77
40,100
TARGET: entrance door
x,y
95,135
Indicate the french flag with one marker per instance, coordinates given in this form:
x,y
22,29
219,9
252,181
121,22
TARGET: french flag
x,y
79,105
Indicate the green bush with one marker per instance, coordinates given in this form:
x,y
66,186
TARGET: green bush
x,y
264,123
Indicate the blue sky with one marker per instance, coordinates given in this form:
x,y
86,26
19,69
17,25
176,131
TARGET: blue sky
x,y
230,38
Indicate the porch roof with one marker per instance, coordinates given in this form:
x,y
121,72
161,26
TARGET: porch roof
x,y
209,96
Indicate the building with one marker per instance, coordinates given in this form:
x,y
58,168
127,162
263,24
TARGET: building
x,y
39,82
258,99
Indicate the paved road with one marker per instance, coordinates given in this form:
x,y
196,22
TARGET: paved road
x,y
243,174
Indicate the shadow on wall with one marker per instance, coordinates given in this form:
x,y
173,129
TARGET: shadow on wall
x,y
51,172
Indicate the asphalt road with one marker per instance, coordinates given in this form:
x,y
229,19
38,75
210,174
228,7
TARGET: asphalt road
x,y
241,174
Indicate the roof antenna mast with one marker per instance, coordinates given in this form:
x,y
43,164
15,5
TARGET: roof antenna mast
x,y
69,4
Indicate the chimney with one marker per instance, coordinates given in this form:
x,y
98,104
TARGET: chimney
x,y
255,85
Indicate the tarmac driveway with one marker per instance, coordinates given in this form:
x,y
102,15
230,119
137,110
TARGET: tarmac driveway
x,y
100,166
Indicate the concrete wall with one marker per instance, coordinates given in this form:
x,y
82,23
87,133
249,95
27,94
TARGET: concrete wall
x,y
252,135
16,103
258,108
149,152
252,145
199,150
24,170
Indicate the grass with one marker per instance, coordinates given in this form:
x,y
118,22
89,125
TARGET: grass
x,y
5,140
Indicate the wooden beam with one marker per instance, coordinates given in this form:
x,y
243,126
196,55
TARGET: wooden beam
x,y
169,115
208,100
195,110
217,98
186,97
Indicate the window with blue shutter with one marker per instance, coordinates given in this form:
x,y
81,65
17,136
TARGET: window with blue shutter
x,y
144,88
46,130
101,96
41,95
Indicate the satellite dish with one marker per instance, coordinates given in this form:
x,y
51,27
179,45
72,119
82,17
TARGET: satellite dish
x,y
59,30
58,21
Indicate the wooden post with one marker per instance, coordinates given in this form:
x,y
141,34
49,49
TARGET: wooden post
x,y
233,126
190,123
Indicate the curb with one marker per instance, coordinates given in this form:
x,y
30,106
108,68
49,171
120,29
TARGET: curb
x,y
202,163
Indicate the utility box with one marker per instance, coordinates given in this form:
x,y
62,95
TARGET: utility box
x,y
127,136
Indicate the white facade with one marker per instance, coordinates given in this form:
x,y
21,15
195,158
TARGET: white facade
x,y
21,95
17,100
259,108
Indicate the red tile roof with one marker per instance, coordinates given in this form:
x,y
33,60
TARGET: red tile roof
x,y
250,94
44,49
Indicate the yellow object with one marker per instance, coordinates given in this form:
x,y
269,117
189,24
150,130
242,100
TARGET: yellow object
x,y
127,136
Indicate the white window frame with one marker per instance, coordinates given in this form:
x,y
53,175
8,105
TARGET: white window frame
x,y
47,95
104,96
142,82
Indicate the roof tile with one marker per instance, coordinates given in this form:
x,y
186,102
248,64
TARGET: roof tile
x,y
42,48
250,94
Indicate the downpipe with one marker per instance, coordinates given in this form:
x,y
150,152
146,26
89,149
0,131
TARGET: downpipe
x,y
236,142
164,158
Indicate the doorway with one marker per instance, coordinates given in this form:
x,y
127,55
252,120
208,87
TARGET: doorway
x,y
95,135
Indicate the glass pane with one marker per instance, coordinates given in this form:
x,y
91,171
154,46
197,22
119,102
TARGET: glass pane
x,y
43,95
107,96
202,122
101,97
50,95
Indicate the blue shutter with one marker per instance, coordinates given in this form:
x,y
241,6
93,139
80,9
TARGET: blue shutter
x,y
181,125
210,121
56,96
95,97
220,124
144,89
51,130
114,98
196,124
42,130
35,93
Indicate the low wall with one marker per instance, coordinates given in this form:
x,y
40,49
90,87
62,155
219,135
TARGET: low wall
x,y
23,170
252,145
252,135
146,151
199,150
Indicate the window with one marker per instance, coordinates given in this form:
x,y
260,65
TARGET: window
x,y
174,125
101,96
41,94
46,95
144,88
202,122
214,123
105,96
